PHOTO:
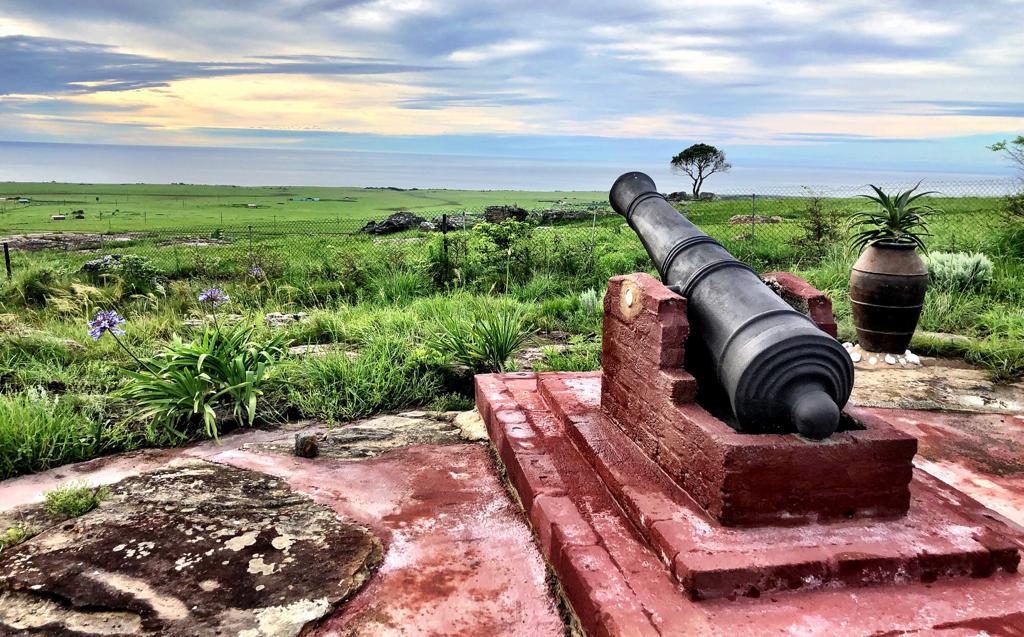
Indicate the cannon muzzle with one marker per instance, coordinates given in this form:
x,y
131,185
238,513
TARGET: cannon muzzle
x,y
779,372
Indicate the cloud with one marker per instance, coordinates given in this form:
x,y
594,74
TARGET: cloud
x,y
497,51
31,65
970,108
734,71
489,100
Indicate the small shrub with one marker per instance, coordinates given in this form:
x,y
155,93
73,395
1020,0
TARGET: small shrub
x,y
486,343
135,274
13,536
591,302
498,255
959,271
1013,207
220,373
821,224
72,500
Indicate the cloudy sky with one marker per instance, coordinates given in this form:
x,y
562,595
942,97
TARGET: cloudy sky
x,y
926,82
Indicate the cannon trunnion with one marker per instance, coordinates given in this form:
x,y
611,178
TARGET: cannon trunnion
x,y
779,372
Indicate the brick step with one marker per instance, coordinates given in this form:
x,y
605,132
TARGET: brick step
x,y
944,534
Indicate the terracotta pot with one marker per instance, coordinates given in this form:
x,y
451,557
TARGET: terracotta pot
x,y
887,288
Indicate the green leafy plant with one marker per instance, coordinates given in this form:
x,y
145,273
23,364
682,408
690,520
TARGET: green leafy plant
x,y
220,373
486,343
959,271
899,218
73,499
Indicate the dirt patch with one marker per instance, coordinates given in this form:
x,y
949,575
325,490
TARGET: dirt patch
x,y
89,241
37,241
938,383
197,549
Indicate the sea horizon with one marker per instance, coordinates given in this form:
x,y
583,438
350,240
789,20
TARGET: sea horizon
x,y
127,164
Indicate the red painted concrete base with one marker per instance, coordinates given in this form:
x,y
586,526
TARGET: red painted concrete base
x,y
636,555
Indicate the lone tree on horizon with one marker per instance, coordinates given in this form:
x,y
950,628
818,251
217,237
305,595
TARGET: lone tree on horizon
x,y
1013,148
700,161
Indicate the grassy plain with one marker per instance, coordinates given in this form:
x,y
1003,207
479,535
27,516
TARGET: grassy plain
x,y
131,207
376,304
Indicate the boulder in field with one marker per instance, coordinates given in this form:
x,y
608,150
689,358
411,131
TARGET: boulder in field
x,y
497,214
395,223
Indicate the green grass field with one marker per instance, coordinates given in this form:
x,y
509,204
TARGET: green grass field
x,y
381,305
131,207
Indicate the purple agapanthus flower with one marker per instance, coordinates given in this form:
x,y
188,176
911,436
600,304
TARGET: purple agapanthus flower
x,y
106,322
256,272
214,297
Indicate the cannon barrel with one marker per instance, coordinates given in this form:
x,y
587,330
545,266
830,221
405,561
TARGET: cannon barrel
x,y
779,372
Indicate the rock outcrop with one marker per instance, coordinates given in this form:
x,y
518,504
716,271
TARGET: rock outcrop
x,y
193,549
397,222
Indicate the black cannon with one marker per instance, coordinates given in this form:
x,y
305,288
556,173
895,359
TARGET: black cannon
x,y
778,371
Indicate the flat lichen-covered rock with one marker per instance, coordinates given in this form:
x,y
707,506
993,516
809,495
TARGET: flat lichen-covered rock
x,y
194,549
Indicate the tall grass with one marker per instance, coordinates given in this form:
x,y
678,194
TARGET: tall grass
x,y
384,376
38,432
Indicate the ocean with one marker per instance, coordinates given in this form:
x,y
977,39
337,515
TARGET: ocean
x,y
89,163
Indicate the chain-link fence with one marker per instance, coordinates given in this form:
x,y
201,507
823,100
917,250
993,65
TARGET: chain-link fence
x,y
492,249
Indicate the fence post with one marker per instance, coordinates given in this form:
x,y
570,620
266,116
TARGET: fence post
x,y
445,271
7,260
753,217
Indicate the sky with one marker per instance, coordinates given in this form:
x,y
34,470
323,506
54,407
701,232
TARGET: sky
x,y
900,84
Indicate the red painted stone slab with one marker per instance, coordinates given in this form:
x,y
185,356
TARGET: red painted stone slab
x,y
628,502
458,559
739,479
979,454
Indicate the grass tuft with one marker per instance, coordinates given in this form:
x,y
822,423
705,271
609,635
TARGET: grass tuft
x,y
73,499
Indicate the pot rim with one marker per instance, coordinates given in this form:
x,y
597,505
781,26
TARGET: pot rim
x,y
893,244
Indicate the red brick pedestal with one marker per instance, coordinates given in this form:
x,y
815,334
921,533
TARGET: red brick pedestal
x,y
660,519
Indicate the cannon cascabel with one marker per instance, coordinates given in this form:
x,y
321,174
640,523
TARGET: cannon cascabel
x,y
779,372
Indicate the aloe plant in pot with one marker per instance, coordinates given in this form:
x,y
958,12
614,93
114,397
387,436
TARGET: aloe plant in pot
x,y
889,280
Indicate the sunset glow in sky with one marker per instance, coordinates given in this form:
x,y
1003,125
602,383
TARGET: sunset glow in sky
x,y
358,74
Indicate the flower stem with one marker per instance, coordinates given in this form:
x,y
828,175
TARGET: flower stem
x,y
130,353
